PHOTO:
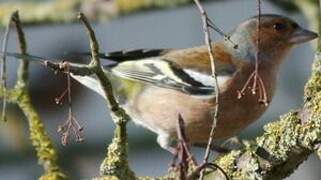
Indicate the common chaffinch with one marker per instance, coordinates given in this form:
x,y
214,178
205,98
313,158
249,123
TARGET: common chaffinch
x,y
155,86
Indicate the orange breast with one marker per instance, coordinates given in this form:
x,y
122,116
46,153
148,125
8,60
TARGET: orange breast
x,y
158,109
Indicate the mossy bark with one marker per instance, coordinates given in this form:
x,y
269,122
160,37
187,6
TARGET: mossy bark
x,y
46,153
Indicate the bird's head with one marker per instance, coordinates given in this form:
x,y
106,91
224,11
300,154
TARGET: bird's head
x,y
277,35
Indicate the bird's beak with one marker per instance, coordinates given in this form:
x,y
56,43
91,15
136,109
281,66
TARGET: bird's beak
x,y
301,35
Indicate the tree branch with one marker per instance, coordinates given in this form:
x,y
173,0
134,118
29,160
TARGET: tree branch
x,y
208,43
115,164
19,95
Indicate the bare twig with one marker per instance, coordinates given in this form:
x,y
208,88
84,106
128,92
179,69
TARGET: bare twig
x,y
183,153
208,43
3,72
255,78
202,167
182,138
71,124
182,149
220,32
104,81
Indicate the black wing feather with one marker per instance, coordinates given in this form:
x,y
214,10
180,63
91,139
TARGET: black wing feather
x,y
127,55
134,54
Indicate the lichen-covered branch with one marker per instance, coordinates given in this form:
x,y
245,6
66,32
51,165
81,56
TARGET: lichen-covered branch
x,y
19,95
115,164
47,156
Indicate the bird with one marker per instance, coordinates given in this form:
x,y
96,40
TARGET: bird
x,y
155,86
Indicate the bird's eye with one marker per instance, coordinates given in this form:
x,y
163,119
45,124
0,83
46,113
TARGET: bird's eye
x,y
295,25
279,26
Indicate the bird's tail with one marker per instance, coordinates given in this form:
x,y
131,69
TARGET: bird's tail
x,y
87,81
100,55
28,57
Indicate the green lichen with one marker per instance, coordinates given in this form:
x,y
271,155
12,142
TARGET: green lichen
x,y
116,164
248,167
47,156
280,136
313,86
19,95
226,162
312,130
53,176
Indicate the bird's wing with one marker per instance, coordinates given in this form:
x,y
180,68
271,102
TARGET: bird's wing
x,y
185,58
185,70
175,72
162,73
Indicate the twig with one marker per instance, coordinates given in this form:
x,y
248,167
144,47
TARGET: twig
x,y
110,165
183,139
71,124
104,81
208,43
255,78
119,144
47,155
220,32
3,72
183,153
202,167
